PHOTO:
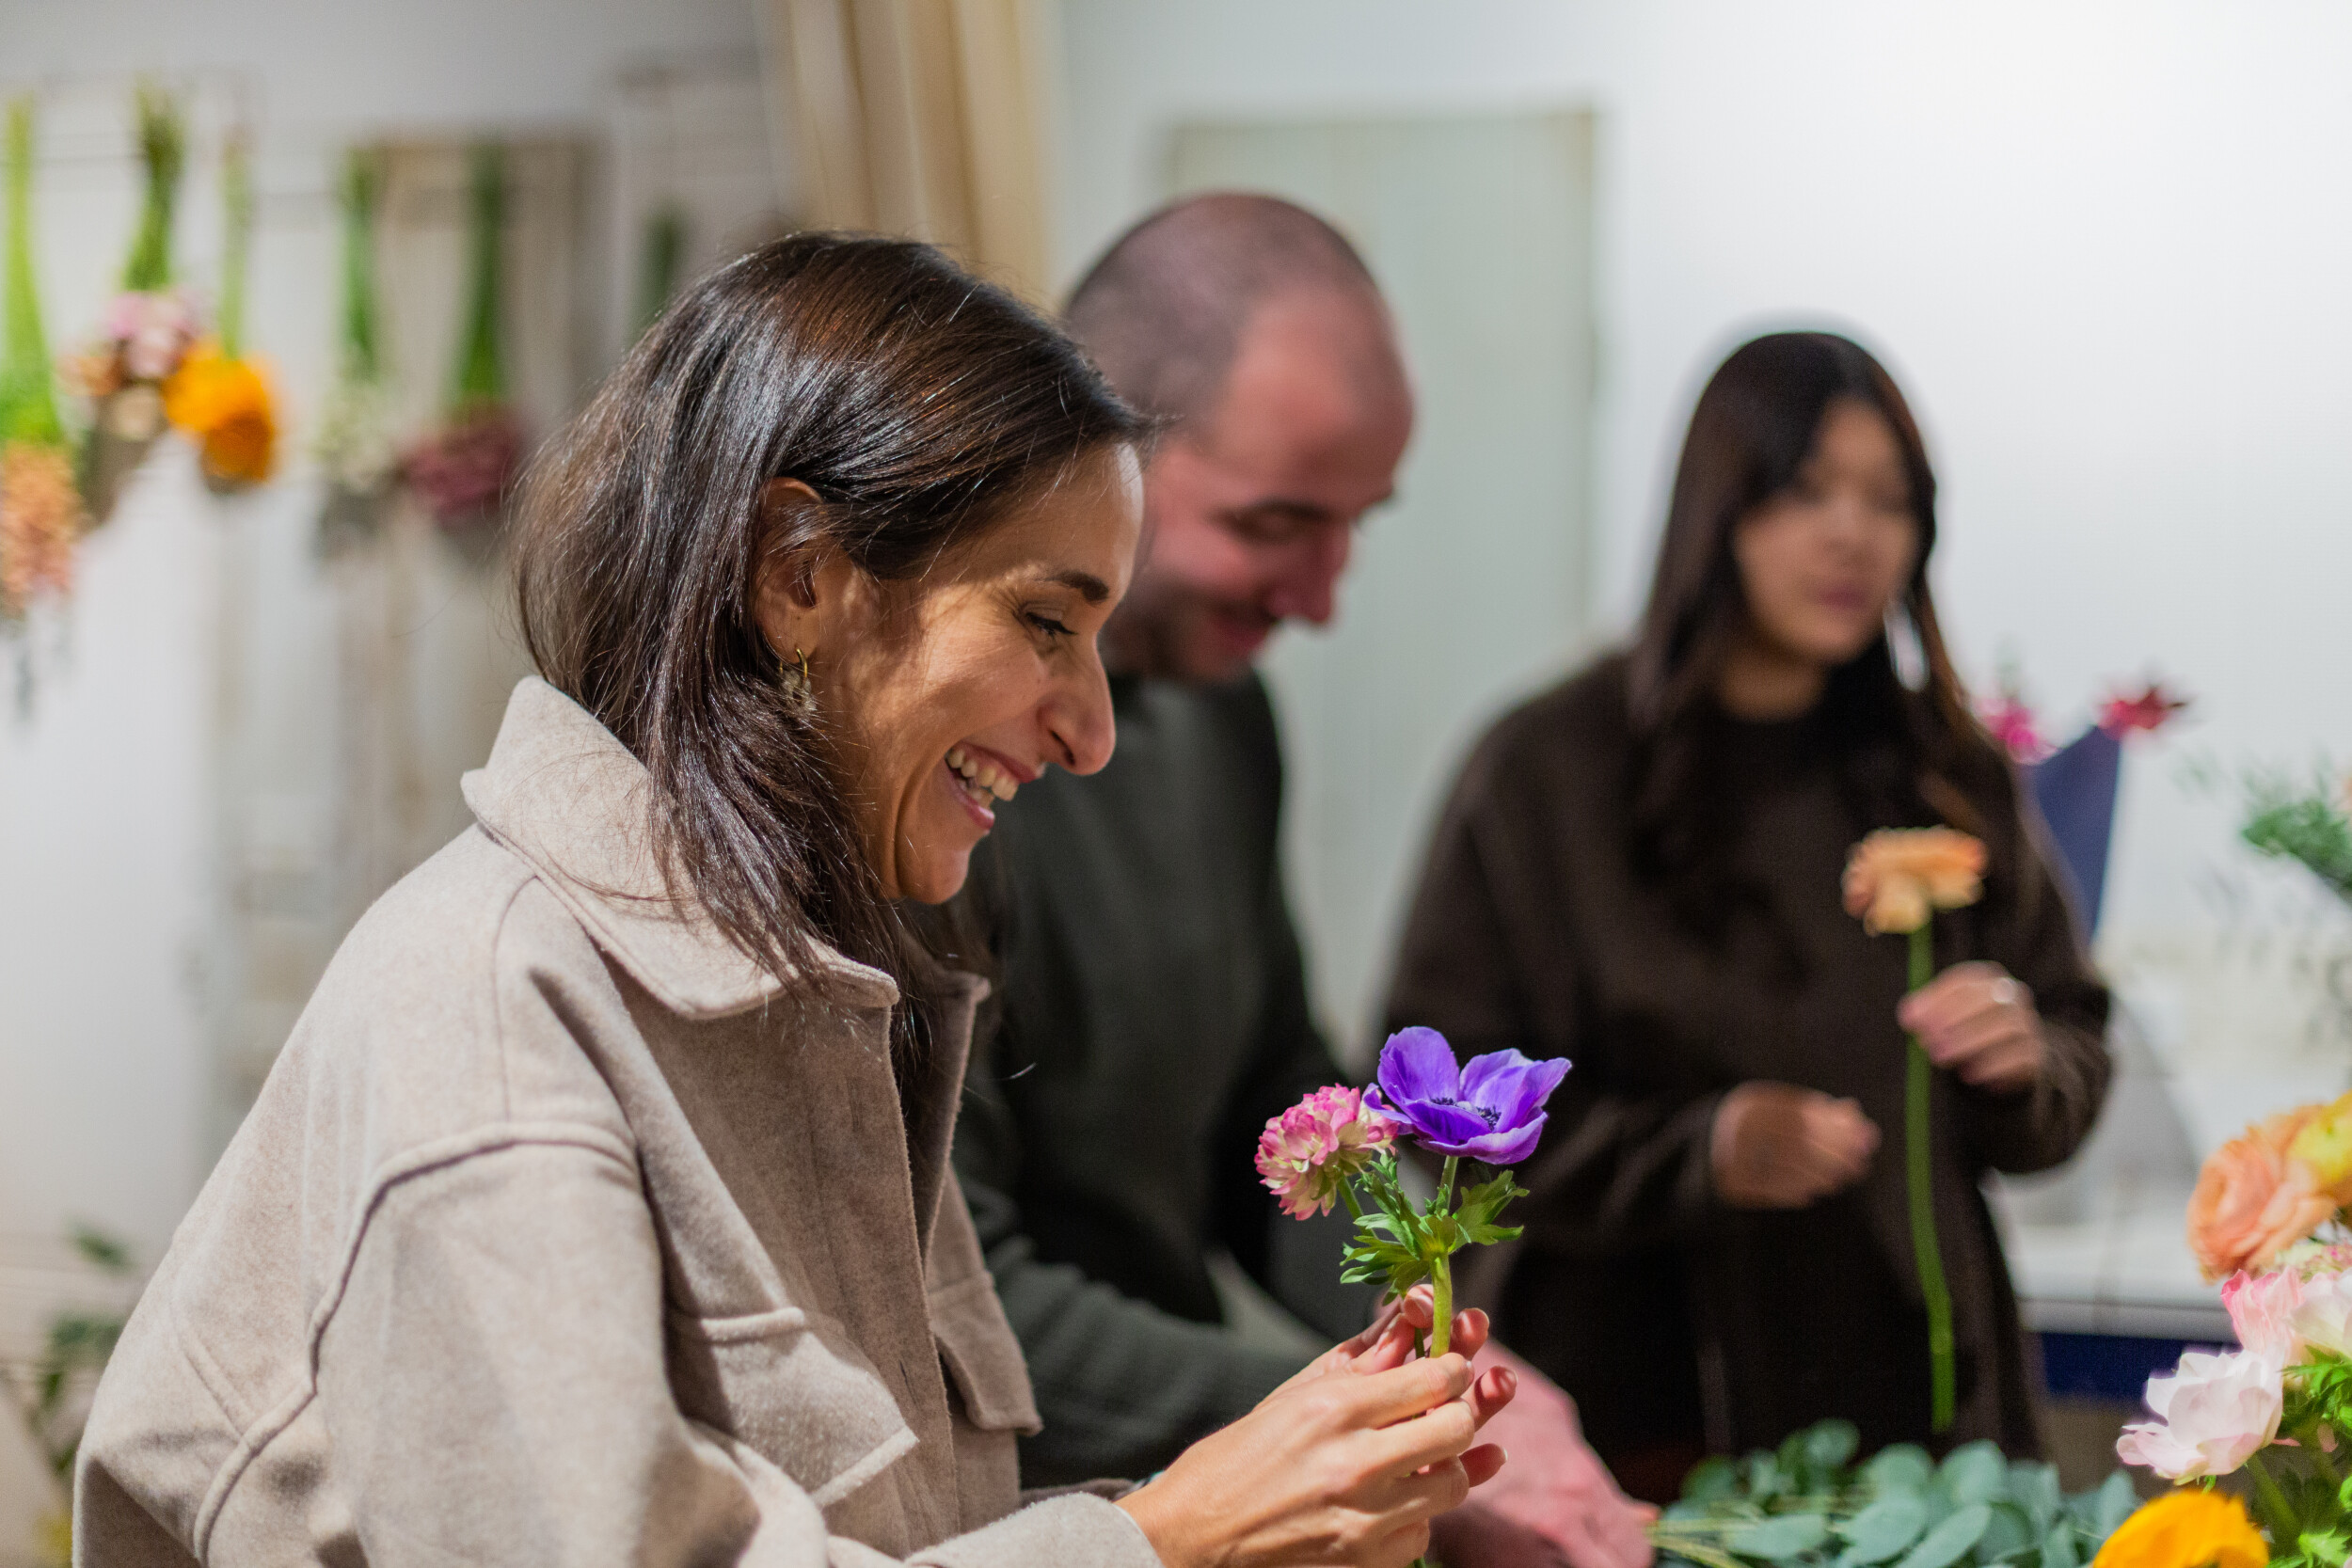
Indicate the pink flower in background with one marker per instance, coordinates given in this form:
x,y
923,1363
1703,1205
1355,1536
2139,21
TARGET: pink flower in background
x,y
2322,1320
2011,723
2212,1415
1308,1151
2263,1312
2151,709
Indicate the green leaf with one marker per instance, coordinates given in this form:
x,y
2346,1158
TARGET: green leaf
x,y
2009,1532
102,1249
1950,1540
2111,1505
1903,1467
1710,1480
1764,1478
2329,1547
1829,1445
2034,1487
1777,1540
1883,1529
2057,1547
1974,1472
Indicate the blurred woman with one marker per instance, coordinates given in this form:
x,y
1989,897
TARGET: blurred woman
x,y
599,1210
1640,869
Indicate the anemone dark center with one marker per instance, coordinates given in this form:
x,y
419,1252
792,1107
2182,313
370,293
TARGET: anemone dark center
x,y
1491,1115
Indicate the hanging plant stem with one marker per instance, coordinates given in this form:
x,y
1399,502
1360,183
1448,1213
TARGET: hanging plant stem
x,y
480,376
163,148
1919,1157
28,404
236,195
363,192
665,248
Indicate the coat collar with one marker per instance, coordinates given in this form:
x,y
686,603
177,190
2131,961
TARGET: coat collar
x,y
561,792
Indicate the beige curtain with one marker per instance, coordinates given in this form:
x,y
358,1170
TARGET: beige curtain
x,y
922,118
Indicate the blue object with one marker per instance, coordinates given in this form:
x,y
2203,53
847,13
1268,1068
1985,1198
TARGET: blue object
x,y
2076,788
2109,1366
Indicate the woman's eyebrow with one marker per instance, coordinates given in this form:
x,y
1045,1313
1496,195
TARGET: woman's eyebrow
x,y
1085,584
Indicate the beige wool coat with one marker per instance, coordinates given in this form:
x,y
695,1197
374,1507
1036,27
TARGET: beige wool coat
x,y
564,1234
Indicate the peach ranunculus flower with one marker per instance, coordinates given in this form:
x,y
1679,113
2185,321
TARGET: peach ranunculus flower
x,y
1897,878
2254,1200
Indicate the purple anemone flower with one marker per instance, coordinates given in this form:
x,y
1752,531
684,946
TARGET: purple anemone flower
x,y
1491,1110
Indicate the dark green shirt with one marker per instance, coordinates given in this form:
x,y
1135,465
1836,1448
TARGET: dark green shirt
x,y
1151,1015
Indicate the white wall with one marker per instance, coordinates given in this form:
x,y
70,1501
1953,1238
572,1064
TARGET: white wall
x,y
120,949
2104,245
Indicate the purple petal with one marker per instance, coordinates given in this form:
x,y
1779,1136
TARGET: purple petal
x,y
1511,1085
1417,1065
1505,1146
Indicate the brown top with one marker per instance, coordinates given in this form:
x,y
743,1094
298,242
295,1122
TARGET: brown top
x,y
562,1233
1669,1316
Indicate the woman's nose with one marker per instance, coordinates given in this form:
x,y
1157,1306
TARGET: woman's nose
x,y
1079,723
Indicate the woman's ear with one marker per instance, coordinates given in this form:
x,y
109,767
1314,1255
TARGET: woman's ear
x,y
783,583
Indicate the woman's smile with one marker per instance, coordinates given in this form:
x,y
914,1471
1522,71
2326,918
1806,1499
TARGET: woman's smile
x,y
983,780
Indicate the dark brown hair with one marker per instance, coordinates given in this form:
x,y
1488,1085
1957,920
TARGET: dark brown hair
x,y
917,403
1906,756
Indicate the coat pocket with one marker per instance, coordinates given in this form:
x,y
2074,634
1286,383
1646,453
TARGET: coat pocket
x,y
976,1342
790,1384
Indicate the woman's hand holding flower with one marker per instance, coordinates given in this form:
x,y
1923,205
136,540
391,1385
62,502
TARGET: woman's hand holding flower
x,y
1347,1463
1777,1145
1981,1024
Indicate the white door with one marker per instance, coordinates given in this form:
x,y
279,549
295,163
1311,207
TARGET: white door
x,y
1472,590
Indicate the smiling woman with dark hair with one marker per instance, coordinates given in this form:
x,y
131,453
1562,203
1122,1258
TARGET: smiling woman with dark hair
x,y
1641,870
598,1211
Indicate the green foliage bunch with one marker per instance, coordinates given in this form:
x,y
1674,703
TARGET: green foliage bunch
x,y
1807,1505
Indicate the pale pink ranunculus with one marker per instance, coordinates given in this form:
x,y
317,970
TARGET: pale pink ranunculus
x,y
2262,1309
2212,1415
1306,1152
2322,1320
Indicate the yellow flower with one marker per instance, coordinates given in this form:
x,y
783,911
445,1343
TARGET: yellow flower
x,y
1896,878
225,404
2189,1529
2324,1143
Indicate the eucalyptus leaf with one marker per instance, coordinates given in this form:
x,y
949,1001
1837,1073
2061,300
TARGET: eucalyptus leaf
x,y
1829,1445
1903,1467
2034,1487
1778,1539
1950,1540
1883,1529
2113,1503
2057,1547
2010,1532
1974,1472
1710,1480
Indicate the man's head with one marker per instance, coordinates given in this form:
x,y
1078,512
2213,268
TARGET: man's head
x,y
1252,329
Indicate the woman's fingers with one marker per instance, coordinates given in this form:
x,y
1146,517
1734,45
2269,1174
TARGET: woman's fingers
x,y
1484,1462
1492,1391
1391,1350
1436,1436
1469,1334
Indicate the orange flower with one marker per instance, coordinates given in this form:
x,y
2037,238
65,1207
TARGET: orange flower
x,y
2193,1528
225,404
1898,877
2254,1200
40,517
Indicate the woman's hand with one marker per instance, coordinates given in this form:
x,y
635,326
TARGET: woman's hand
x,y
1777,1146
1980,1023
1345,1463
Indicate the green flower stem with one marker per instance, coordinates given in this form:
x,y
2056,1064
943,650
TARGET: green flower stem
x,y
363,190
29,410
481,369
2281,1520
1441,1265
162,148
236,197
1919,1152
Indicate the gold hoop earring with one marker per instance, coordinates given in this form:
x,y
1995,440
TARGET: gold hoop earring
x,y
800,696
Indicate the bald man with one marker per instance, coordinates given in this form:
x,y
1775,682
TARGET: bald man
x,y
1152,1009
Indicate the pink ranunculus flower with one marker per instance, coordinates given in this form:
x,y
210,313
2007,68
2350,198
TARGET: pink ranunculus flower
x,y
2322,1318
2262,1309
1308,1151
2212,1414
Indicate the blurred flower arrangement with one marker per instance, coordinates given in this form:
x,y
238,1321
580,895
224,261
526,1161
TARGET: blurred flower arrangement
x,y
148,327
2014,726
1896,880
2268,1213
79,1344
354,445
463,470
218,396
2303,820
40,509
1807,1505
1339,1144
